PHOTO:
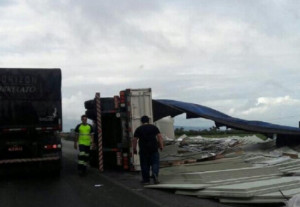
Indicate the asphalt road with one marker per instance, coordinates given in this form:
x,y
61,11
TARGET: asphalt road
x,y
31,187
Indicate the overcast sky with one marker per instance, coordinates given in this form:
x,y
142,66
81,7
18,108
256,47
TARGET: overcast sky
x,y
239,57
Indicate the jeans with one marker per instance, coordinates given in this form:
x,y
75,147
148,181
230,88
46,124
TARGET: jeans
x,y
148,160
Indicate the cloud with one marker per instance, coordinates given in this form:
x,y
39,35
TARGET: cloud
x,y
225,55
269,101
264,104
86,80
72,106
272,109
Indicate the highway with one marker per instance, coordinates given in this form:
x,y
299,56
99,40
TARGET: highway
x,y
31,187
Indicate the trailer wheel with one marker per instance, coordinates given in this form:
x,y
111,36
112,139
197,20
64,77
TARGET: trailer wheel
x,y
91,114
55,169
51,168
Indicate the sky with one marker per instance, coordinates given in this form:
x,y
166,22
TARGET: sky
x,y
238,57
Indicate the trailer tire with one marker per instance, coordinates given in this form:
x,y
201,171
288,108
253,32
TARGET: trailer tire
x,y
91,114
94,161
90,104
55,169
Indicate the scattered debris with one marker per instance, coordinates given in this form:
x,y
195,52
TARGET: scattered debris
x,y
98,185
294,201
232,170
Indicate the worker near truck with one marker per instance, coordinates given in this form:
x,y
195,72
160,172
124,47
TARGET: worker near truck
x,y
83,138
150,140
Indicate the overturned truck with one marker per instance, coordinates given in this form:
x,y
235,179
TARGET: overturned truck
x,y
120,116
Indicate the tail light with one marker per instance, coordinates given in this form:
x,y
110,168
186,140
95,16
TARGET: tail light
x,y
122,98
52,146
116,102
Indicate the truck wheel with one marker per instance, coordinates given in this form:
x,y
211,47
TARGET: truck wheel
x,y
54,169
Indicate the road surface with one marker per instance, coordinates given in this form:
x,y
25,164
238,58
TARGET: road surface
x,y
32,188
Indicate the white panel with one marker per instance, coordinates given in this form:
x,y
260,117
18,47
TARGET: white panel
x,y
140,104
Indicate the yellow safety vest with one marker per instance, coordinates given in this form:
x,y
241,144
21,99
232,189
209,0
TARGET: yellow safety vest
x,y
84,135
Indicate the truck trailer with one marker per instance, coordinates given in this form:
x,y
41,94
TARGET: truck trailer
x,y
30,117
120,116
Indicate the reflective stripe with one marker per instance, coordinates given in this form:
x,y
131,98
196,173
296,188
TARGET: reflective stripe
x,y
84,134
81,162
29,160
84,154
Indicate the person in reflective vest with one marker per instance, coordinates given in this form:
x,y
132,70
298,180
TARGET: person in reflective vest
x,y
83,139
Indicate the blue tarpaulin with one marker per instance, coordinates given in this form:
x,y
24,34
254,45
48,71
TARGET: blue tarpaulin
x,y
163,108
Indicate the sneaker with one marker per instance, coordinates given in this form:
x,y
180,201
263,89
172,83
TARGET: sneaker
x,y
155,179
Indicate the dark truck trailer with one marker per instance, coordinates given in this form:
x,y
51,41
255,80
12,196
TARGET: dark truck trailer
x,y
30,116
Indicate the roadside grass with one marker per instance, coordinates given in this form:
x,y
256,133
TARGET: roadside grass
x,y
261,136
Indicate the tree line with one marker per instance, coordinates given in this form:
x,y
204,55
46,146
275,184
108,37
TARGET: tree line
x,y
211,131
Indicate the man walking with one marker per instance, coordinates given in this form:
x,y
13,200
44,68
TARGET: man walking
x,y
150,140
84,137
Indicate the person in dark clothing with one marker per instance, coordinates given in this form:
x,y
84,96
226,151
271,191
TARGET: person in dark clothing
x,y
150,140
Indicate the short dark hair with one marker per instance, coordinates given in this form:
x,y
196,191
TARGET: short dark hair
x,y
83,116
145,119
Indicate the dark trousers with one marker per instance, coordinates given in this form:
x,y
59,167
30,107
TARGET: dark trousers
x,y
147,161
83,157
